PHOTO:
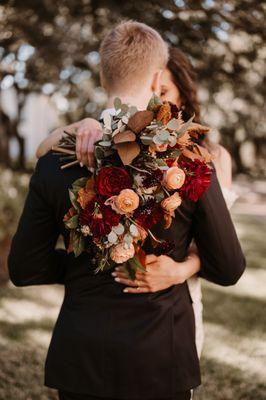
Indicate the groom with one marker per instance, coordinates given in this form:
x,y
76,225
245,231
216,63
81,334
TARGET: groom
x,y
107,344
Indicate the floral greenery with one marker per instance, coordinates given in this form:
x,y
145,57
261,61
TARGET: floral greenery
x,y
147,163
13,188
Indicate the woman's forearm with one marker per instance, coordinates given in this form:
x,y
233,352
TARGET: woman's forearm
x,y
186,269
53,139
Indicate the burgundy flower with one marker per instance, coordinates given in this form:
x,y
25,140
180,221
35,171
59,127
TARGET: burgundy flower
x,y
198,178
174,110
99,217
164,248
153,179
148,214
111,180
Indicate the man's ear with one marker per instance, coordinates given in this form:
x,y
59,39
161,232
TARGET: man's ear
x,y
156,82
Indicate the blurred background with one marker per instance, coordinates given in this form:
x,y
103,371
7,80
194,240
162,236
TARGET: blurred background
x,y
49,77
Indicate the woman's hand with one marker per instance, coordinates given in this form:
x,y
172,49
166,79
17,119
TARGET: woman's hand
x,y
161,273
88,131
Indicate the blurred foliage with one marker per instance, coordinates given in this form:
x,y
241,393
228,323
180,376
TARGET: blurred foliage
x,y
13,188
50,46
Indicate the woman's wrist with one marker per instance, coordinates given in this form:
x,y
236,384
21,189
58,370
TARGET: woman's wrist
x,y
185,269
179,272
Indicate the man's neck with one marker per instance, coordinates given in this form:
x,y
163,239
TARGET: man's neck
x,y
139,100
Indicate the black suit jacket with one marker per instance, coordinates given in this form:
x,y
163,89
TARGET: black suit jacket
x,y
105,342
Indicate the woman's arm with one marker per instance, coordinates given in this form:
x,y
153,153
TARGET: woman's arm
x,y
88,131
161,273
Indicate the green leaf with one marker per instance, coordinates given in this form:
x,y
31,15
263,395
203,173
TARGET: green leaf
x,y
135,264
154,101
73,199
117,103
72,223
78,243
146,140
132,110
124,108
79,183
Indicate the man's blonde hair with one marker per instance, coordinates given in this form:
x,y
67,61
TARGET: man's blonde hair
x,y
129,53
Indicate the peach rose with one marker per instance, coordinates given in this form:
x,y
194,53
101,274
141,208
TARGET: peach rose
x,y
174,178
171,203
127,201
120,254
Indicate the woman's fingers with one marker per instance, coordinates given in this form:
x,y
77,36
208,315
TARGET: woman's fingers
x,y
78,145
136,290
84,149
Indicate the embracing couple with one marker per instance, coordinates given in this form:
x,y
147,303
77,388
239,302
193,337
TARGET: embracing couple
x,y
117,338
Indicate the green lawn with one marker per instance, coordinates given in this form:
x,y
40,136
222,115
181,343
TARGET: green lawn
x,y
234,356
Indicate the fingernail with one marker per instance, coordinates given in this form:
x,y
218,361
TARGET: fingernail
x,y
114,274
81,164
125,290
117,279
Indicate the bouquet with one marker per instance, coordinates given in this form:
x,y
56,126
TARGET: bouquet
x,y
147,163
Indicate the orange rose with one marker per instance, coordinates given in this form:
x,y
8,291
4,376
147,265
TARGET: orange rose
x,y
84,197
127,201
174,178
120,254
171,203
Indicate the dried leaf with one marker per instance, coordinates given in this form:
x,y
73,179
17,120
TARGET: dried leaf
x,y
191,155
128,151
140,120
127,136
196,129
164,114
204,153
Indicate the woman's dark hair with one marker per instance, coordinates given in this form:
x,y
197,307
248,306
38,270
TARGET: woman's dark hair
x,y
184,78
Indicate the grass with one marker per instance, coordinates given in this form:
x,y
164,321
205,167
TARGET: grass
x,y
234,355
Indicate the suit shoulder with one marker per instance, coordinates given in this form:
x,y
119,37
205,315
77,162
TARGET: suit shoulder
x,y
48,164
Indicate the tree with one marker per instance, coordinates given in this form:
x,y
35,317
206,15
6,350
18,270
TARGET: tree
x,y
52,46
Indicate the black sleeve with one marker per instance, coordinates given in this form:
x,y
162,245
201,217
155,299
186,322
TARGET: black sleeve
x,y
33,259
222,260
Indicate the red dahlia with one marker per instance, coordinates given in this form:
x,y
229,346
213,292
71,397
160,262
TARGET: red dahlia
x,y
198,179
99,218
148,214
111,180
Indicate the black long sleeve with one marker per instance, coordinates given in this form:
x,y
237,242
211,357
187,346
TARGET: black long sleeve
x,y
219,249
33,259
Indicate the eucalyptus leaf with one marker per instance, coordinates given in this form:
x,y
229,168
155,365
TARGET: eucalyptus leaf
x,y
174,124
146,140
117,103
107,119
124,108
106,143
112,237
154,101
164,135
157,140
132,110
134,230
119,229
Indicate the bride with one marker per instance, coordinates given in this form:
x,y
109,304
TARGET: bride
x,y
178,86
